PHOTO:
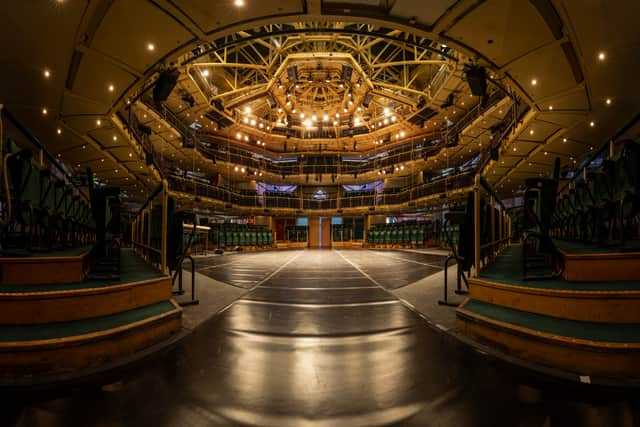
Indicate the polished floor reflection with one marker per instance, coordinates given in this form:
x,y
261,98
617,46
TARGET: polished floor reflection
x,y
320,342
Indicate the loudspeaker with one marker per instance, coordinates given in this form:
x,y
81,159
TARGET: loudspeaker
x,y
477,79
346,73
167,80
271,100
367,100
292,74
144,129
448,102
495,156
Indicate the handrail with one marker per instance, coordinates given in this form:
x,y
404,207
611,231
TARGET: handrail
x,y
143,221
152,196
33,139
503,227
485,184
404,152
406,195
605,147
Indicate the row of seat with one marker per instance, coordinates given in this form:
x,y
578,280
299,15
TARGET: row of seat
x,y
342,233
44,213
603,207
402,233
296,234
240,235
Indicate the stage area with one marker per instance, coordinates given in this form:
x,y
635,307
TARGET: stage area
x,y
319,338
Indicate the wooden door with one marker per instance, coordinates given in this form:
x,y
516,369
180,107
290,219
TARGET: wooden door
x,y
326,232
314,232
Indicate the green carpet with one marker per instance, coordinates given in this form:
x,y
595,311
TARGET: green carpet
x,y
79,327
132,269
621,333
507,268
577,248
66,252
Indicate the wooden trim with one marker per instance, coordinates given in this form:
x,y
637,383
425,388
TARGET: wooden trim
x,y
38,270
587,306
616,255
87,350
581,356
57,306
601,267
40,345
555,292
553,338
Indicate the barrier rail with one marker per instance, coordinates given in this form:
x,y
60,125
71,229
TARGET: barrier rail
x,y
143,227
297,202
499,233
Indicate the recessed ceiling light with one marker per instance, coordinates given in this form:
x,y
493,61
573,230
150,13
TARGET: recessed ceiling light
x,y
550,107
151,47
98,122
44,111
59,131
238,3
608,101
564,139
602,56
592,123
47,73
531,132
111,88
205,72
534,82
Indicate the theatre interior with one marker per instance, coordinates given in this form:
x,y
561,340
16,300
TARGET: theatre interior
x,y
319,213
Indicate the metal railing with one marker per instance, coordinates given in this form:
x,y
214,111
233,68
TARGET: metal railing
x,y
267,200
385,156
143,226
499,233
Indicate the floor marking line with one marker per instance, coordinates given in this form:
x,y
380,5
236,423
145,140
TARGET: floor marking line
x,y
217,265
337,288
371,279
318,305
406,260
276,271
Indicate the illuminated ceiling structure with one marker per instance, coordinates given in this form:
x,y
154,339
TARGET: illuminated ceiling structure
x,y
242,62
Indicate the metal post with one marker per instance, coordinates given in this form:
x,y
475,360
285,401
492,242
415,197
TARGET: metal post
x,y
165,218
500,224
476,226
149,216
133,233
610,150
493,225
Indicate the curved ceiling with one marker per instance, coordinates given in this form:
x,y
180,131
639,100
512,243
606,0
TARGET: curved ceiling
x,y
572,62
